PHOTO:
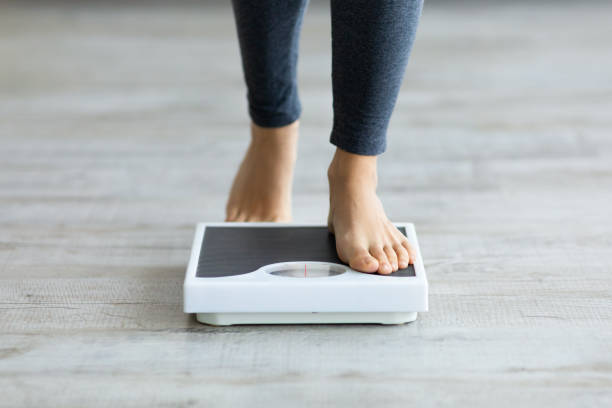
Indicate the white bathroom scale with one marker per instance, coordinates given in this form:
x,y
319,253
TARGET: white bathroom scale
x,y
272,273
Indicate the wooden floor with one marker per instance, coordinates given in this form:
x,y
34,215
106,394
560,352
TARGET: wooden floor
x,y
121,127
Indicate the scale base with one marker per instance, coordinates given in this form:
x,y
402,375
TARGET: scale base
x,y
228,319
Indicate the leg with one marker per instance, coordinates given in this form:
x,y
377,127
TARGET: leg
x,y
268,33
371,42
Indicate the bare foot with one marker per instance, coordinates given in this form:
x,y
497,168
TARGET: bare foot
x,y
365,238
262,187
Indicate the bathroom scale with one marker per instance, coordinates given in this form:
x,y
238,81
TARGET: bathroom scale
x,y
274,273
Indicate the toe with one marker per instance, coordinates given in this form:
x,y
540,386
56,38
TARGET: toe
x,y
410,249
403,257
230,214
391,256
251,218
383,263
362,261
240,217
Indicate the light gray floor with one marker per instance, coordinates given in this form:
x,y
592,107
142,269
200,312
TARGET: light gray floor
x,y
121,127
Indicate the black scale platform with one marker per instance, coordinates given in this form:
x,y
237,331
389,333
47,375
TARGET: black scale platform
x,y
228,251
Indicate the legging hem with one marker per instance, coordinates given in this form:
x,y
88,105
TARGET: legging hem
x,y
274,120
362,146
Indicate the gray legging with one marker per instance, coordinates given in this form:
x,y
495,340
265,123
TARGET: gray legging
x,y
371,41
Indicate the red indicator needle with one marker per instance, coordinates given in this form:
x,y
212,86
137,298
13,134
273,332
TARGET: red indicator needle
x,y
304,270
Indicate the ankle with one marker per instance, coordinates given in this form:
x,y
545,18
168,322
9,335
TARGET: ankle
x,y
352,169
277,146
284,136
